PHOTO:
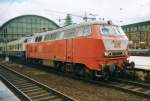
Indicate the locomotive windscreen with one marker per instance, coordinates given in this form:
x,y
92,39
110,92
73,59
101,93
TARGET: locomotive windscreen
x,y
111,30
113,37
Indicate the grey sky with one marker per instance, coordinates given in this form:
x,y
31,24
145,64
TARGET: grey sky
x,y
131,10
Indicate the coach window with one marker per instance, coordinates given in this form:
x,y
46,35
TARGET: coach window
x,y
36,39
25,41
28,40
39,38
83,31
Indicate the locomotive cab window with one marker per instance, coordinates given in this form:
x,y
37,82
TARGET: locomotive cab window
x,y
52,36
61,34
111,30
55,36
107,30
118,30
84,31
69,33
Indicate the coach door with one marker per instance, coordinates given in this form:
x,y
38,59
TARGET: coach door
x,y
69,50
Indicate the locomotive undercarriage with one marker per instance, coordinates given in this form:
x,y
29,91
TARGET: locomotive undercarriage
x,y
74,69
81,70
113,70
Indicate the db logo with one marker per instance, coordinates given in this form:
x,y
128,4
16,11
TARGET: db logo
x,y
117,44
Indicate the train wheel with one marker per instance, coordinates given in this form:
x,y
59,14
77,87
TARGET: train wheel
x,y
57,65
105,75
78,70
132,64
88,73
62,67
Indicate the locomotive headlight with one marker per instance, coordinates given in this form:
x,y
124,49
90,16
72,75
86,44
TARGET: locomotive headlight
x,y
110,53
106,53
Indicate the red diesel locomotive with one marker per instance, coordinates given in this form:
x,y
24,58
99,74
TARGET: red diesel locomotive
x,y
92,49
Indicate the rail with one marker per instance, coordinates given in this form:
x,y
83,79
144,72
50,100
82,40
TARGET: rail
x,y
28,89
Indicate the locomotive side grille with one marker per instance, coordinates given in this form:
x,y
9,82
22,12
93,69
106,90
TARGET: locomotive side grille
x,y
117,53
114,53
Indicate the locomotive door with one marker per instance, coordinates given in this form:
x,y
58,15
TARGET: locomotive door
x,y
69,50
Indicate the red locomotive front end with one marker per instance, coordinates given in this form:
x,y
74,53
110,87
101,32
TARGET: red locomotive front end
x,y
115,52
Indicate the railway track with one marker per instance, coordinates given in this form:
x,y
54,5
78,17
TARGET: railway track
x,y
28,89
140,89
134,87
137,88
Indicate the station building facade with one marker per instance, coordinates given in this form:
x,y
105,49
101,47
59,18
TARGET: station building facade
x,y
138,34
25,25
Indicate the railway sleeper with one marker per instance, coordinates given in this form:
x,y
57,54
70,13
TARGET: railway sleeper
x,y
17,83
29,88
24,86
37,92
136,89
41,96
147,92
20,83
45,98
32,90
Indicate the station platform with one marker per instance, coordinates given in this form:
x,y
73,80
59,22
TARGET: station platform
x,y
141,62
6,94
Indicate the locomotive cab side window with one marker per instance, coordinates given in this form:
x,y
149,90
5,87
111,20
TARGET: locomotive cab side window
x,y
84,31
61,34
55,36
69,33
52,36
